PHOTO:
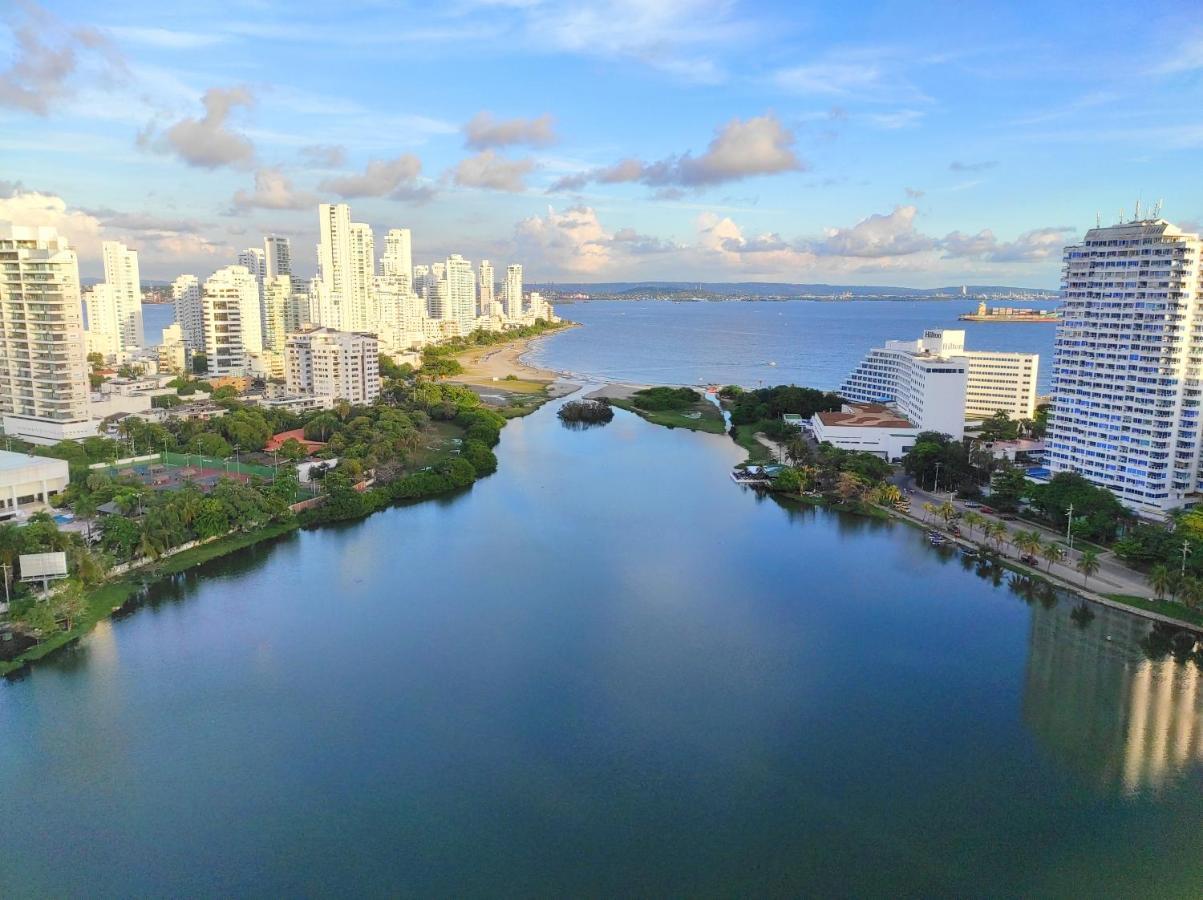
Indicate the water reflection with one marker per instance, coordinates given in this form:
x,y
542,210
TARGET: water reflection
x,y
1096,700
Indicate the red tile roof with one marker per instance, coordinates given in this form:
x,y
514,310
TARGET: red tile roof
x,y
864,415
297,434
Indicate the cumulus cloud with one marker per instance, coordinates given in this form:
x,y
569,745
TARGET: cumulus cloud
x,y
892,234
493,172
273,190
393,178
166,244
957,166
46,55
740,149
484,131
325,156
1031,246
208,142
569,241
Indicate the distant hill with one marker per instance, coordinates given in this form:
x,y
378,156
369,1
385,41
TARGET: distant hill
x,y
776,289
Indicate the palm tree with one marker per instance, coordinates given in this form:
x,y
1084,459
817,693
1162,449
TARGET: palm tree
x,y
947,512
929,509
997,532
1028,542
973,519
1052,553
1161,580
1191,591
1088,564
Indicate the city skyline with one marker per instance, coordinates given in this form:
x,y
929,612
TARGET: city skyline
x,y
599,142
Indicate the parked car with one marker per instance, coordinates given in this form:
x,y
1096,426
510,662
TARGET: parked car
x,y
1028,560
985,509
1007,517
969,504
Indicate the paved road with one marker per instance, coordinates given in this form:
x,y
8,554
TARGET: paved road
x,y
1113,576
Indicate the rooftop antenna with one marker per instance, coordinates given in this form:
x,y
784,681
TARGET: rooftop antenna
x,y
1137,219
1098,219
1157,209
1121,216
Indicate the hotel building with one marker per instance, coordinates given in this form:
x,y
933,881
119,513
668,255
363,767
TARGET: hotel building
x,y
1128,365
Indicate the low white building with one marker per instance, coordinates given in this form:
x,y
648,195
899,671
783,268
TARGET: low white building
x,y
866,427
28,481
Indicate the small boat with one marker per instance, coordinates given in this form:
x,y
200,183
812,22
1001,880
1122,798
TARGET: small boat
x,y
970,552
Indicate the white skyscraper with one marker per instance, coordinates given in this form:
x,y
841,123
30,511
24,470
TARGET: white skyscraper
x,y
363,274
461,292
277,294
43,368
122,275
486,288
254,260
512,297
398,257
347,264
233,326
278,256
185,292
1127,369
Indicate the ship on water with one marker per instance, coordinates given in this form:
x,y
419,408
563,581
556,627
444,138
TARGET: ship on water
x,y
1010,314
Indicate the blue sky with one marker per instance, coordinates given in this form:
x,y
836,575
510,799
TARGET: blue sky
x,y
902,143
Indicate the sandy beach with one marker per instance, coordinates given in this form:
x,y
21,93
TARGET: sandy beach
x,y
501,366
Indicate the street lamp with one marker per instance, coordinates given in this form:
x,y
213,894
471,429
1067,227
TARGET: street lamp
x,y
935,488
1069,521
1186,551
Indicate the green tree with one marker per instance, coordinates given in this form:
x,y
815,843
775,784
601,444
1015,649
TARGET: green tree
x,y
1052,553
1161,580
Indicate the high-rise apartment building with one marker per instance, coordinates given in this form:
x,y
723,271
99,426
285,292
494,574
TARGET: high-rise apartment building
x,y
347,264
398,259
277,253
326,362
186,295
233,326
487,288
1128,366
122,276
254,260
1001,382
461,292
43,366
513,291
277,295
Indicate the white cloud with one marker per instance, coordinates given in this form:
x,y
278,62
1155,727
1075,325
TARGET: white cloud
x,y
273,190
740,149
396,178
484,131
1032,246
208,142
46,55
488,170
878,235
163,38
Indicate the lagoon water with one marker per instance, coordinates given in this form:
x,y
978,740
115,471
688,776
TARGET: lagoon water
x,y
604,670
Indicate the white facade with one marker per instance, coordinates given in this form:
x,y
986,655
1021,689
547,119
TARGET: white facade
x,y
512,296
923,380
233,326
277,253
487,288
254,260
29,480
398,259
866,428
277,295
461,292
186,294
43,365
1001,381
1128,369
340,364
121,273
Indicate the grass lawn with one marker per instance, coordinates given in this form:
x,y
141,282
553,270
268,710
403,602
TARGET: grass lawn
x,y
1164,607
745,436
700,416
